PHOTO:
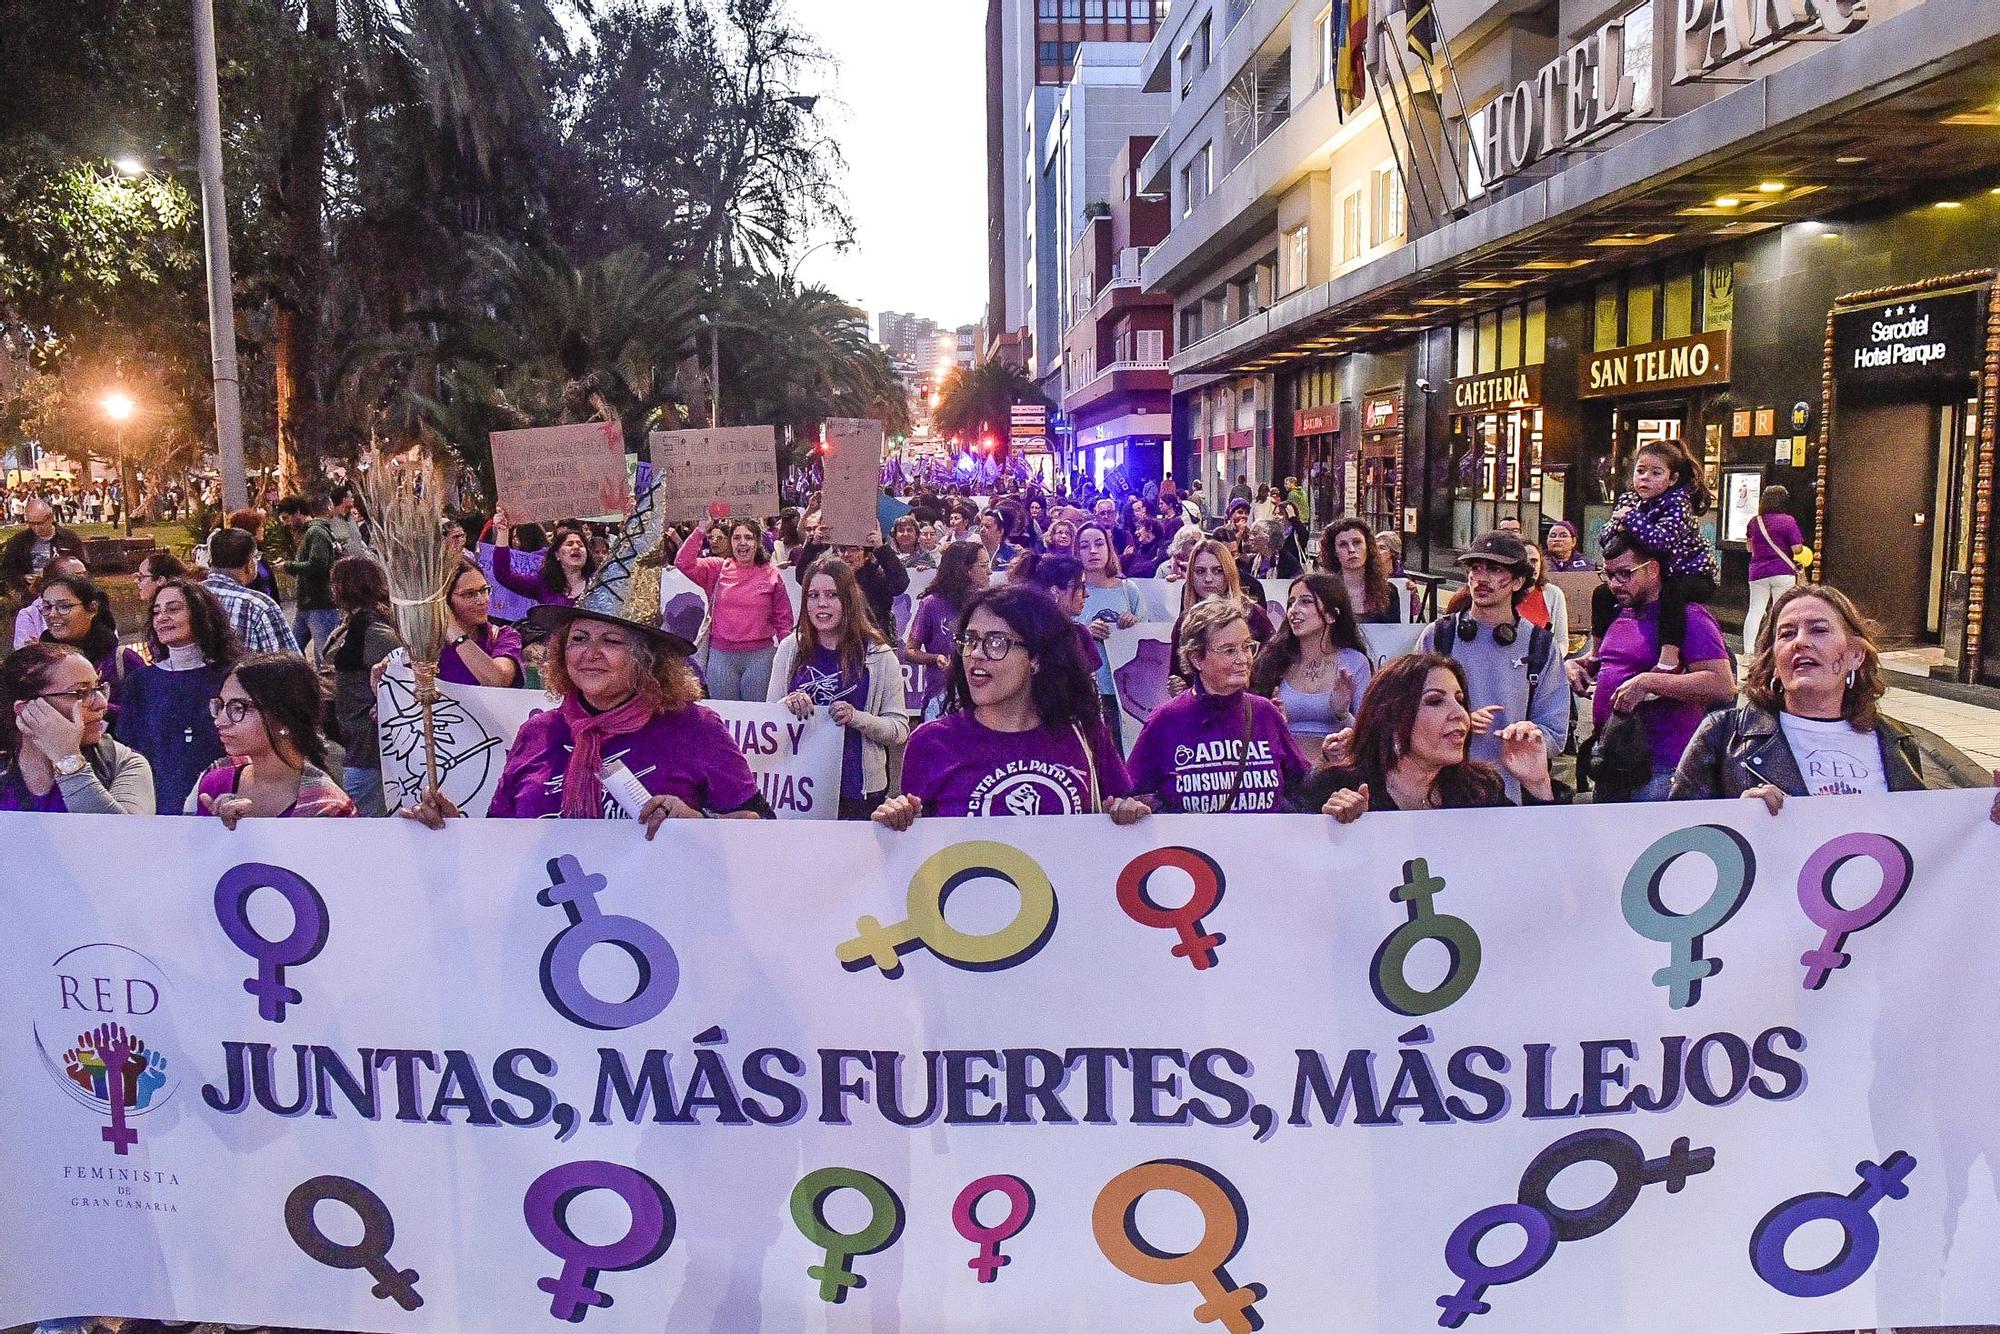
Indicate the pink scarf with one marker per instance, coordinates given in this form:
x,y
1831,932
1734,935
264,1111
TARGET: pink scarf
x,y
583,788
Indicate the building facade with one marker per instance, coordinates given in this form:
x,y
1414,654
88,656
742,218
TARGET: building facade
x,y
1767,231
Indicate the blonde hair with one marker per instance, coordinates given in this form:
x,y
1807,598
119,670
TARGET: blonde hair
x,y
1760,679
1201,623
1232,579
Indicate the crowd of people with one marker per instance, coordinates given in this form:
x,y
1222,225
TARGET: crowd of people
x,y
224,706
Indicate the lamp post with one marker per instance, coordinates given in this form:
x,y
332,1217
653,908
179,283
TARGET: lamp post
x,y
119,407
215,233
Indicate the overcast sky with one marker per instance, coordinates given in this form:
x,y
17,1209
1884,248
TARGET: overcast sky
x,y
910,90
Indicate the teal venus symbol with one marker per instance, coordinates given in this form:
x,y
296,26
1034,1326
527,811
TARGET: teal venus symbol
x,y
1647,913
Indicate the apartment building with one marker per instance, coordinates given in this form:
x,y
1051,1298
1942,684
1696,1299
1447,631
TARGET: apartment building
x,y
1768,231
1031,50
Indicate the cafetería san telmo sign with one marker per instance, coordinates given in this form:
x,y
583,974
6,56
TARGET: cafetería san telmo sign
x,y
1677,363
1589,89
1519,388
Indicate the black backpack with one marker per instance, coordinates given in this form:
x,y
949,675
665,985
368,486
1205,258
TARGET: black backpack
x,y
1540,641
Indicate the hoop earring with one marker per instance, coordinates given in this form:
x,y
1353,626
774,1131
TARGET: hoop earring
x,y
1850,680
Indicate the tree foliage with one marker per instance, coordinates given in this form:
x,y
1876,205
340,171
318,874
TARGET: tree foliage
x,y
980,401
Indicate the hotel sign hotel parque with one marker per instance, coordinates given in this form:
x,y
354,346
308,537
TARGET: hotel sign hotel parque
x,y
1678,363
1588,88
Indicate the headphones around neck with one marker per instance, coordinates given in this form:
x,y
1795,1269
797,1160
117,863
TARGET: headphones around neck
x,y
1503,635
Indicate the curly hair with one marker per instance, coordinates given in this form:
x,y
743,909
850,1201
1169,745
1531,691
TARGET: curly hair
x,y
666,683
1379,596
1201,623
206,619
1761,686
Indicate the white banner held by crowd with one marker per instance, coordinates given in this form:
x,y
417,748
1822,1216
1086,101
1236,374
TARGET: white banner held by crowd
x,y
1675,1067
797,763
719,473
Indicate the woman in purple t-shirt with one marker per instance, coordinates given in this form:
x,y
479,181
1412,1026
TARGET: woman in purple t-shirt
x,y
963,570
1023,734
1774,536
567,564
476,652
1217,748
839,660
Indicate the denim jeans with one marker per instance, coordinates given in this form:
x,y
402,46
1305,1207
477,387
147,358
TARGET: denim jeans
x,y
365,787
306,624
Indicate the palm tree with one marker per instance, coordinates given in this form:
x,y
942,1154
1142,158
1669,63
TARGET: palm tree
x,y
980,401
794,356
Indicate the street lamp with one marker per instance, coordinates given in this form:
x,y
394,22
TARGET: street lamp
x,y
129,166
119,407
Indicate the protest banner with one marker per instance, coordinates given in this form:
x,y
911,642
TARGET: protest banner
x,y
547,473
1697,1067
721,473
797,763
852,466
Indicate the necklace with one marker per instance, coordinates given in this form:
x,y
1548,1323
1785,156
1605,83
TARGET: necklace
x,y
1313,671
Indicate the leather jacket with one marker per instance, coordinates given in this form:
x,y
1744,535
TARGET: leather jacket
x,y
1741,748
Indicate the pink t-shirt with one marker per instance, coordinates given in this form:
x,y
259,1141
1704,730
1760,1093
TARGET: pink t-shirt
x,y
959,766
748,605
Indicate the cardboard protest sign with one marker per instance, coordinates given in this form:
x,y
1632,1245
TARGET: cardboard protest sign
x,y
546,473
853,467
726,472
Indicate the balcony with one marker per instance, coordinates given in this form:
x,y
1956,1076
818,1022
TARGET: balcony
x,y
1121,377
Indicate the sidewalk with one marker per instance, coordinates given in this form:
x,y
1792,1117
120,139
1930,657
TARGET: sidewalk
x,y
1971,730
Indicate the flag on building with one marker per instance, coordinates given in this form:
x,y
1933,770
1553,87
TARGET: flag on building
x,y
1420,23
1351,63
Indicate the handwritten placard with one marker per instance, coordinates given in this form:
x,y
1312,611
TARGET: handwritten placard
x,y
561,472
725,472
853,466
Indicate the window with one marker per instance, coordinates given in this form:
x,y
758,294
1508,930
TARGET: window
x,y
1207,169
1187,189
1604,321
1093,11
1386,188
1046,10
1640,303
1535,333
1072,9
1152,345
1115,10
1324,47
1206,43
1069,53
1351,244
1677,310
1190,326
1293,259
1467,332
1142,11
1048,53
1510,338
1185,62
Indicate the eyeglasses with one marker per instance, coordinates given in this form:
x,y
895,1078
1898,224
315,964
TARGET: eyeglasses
x,y
79,694
1244,650
1623,576
233,709
59,608
483,591
992,646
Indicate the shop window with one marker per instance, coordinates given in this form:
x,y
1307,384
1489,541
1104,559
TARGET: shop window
x,y
1641,305
1677,301
1510,337
1604,320
1489,342
1468,335
1093,11
1535,334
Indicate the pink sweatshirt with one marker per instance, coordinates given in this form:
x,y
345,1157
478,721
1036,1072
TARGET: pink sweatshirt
x,y
749,606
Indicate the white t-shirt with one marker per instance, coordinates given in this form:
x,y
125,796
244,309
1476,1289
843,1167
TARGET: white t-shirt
x,y
1835,758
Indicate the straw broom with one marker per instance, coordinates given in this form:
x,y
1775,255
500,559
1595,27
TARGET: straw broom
x,y
405,498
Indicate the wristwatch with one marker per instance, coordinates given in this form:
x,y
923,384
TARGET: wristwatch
x,y
460,640
69,766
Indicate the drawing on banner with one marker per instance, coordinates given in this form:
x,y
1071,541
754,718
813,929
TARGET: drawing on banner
x,y
574,1291
1389,976
311,924
927,928
378,1234
1020,1199
1196,945
1683,933
1853,1213
575,892
1816,897
1225,1223
683,605
109,1067
1546,1223
468,755
1139,672
882,1230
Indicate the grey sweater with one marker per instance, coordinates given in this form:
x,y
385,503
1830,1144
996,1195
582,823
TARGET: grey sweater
x,y
1498,674
129,791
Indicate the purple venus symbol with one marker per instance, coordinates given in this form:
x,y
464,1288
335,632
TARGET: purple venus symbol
x,y
576,891
573,1292
1853,1212
1816,896
308,935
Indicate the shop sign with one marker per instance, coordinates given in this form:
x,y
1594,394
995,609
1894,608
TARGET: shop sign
x,y
1382,413
1582,91
1934,338
1718,298
1678,363
1521,388
1316,421
1714,33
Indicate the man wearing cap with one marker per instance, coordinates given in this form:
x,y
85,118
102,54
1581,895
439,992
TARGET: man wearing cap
x,y
1513,669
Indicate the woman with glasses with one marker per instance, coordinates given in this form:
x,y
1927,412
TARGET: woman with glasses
x,y
1023,733
476,652
1212,574
267,713
54,754
1217,748
165,711
155,568
78,613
